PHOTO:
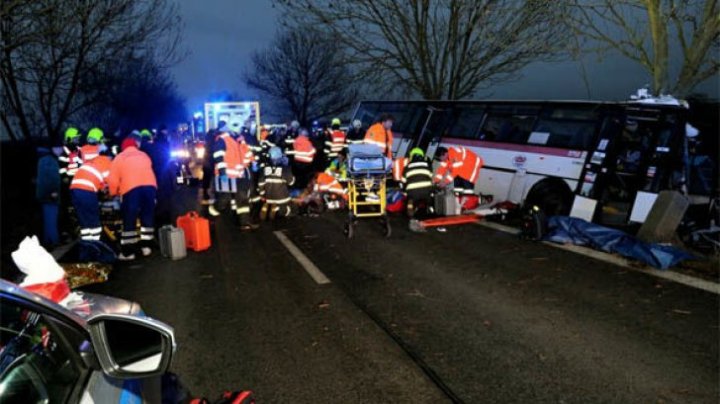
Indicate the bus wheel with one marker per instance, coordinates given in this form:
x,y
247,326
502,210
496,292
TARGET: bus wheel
x,y
552,195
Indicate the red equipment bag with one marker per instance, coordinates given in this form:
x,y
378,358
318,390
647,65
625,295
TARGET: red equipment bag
x,y
197,231
469,202
396,202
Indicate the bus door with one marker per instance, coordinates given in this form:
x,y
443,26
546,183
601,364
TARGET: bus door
x,y
644,157
435,122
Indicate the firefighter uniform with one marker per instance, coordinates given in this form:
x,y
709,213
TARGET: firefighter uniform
x,y
462,168
246,195
275,180
417,180
131,176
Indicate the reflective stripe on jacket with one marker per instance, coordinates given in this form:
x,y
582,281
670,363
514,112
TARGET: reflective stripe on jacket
x,y
92,175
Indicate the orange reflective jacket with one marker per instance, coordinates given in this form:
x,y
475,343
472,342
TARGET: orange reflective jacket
x,y
380,137
327,183
92,175
89,152
398,168
131,168
462,163
303,150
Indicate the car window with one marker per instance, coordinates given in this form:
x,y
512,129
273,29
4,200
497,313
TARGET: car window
x,y
35,366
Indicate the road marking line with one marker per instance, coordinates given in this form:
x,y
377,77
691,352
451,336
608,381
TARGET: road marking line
x,y
308,265
677,277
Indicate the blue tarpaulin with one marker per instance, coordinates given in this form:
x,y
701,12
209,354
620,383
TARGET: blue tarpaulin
x,y
564,230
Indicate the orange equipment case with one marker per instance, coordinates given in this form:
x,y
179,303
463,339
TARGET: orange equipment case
x,y
197,231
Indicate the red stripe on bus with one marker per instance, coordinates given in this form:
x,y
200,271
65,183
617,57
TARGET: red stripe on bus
x,y
552,151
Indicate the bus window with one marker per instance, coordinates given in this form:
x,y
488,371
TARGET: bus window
x,y
507,128
405,114
466,122
577,135
366,113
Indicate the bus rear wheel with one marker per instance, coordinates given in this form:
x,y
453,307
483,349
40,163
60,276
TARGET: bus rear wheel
x,y
552,195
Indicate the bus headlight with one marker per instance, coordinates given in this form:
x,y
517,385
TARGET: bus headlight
x,y
181,153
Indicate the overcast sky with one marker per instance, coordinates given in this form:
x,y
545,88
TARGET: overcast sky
x,y
222,34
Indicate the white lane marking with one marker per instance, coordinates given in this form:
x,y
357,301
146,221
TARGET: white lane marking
x,y
308,265
677,277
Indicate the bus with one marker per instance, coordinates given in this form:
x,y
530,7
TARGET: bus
x,y
601,161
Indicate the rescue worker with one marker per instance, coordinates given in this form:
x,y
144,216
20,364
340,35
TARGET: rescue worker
x,y
459,166
380,134
290,135
246,195
228,168
47,191
70,160
355,134
303,156
417,181
208,164
132,177
92,148
338,167
274,183
89,181
398,168
335,140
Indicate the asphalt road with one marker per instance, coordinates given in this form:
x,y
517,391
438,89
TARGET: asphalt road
x,y
470,315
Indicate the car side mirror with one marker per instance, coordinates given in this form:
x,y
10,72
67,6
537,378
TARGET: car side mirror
x,y
129,347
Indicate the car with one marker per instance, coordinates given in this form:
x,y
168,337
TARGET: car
x,y
101,350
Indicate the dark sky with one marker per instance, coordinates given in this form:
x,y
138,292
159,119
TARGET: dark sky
x,y
222,34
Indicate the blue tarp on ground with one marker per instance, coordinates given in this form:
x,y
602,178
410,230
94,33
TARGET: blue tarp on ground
x,y
564,230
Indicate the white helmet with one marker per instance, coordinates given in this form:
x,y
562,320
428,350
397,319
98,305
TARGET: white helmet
x,y
294,124
357,124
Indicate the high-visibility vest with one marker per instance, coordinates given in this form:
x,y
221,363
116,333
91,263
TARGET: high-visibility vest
x,y
398,168
246,154
335,143
380,137
327,183
462,163
92,176
89,152
303,150
132,168
228,160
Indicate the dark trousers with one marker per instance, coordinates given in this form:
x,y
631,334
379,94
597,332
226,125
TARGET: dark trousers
x,y
422,201
303,173
461,186
138,203
50,211
207,181
87,210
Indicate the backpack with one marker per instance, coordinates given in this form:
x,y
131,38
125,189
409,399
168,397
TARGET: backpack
x,y
534,224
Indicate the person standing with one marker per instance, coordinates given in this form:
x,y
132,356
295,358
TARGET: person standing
x,y
380,134
208,166
334,141
228,168
355,134
303,156
47,192
417,181
132,177
89,181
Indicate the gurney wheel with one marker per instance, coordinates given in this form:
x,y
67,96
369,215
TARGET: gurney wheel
x,y
348,230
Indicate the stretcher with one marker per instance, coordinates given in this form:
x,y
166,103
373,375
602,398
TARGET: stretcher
x,y
368,169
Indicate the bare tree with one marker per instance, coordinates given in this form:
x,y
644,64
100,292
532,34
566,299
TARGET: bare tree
x,y
441,49
52,49
649,31
302,71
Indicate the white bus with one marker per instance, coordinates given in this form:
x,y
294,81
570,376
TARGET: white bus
x,y
602,161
